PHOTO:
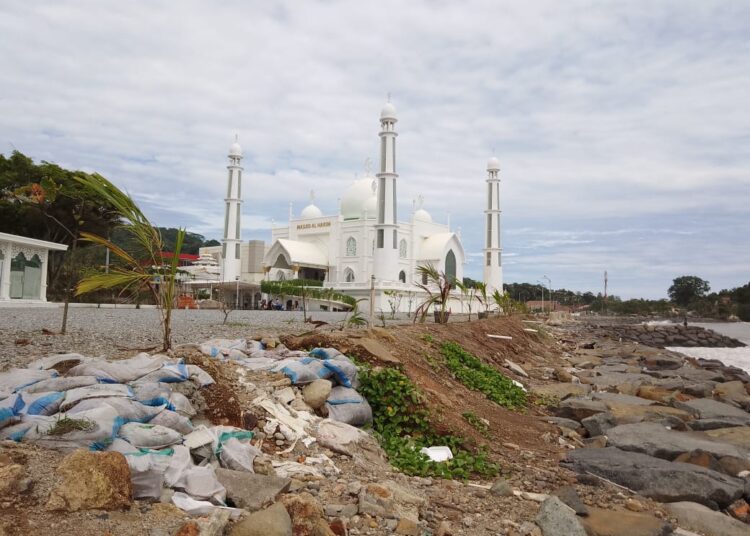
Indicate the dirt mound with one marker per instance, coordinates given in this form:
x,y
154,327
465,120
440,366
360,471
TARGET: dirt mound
x,y
416,349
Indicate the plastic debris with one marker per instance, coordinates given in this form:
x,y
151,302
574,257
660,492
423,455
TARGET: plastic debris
x,y
437,454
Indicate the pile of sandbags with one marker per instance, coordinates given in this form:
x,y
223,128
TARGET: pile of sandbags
x,y
343,404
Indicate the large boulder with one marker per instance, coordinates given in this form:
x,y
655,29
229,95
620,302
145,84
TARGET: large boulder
x,y
251,491
92,480
602,522
561,390
273,521
693,516
733,393
555,518
611,399
739,436
656,440
579,408
706,408
657,479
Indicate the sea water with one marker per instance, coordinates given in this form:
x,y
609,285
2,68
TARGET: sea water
x,y
737,357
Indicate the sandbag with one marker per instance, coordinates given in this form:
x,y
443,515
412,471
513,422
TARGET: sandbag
x,y
343,370
61,384
199,376
226,348
180,403
325,353
149,435
201,483
153,394
122,371
101,427
147,472
10,410
173,420
130,410
16,379
104,390
41,403
168,373
237,455
305,370
176,473
46,363
17,430
348,406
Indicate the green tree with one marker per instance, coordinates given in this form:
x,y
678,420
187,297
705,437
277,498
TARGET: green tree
x,y
687,289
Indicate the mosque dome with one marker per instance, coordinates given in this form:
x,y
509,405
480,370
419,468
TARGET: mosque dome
x,y
235,149
311,211
371,206
422,215
356,199
388,111
493,164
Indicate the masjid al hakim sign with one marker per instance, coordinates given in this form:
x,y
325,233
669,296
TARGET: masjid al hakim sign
x,y
364,246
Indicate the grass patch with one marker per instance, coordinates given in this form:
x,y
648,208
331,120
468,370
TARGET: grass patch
x,y
427,337
477,376
477,423
66,425
402,425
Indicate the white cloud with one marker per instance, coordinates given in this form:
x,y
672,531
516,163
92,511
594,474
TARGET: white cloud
x,y
634,112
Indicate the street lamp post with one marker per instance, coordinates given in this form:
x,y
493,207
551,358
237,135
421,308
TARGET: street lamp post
x,y
549,282
542,294
237,293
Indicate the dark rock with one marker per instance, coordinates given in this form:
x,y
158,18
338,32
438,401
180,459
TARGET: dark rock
x,y
655,478
251,491
598,424
697,517
579,408
569,496
617,398
655,440
713,424
706,408
563,423
557,519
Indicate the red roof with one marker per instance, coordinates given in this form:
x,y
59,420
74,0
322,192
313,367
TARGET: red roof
x,y
182,257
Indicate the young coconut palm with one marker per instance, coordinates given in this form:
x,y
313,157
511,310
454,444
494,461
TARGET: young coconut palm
x,y
147,270
438,288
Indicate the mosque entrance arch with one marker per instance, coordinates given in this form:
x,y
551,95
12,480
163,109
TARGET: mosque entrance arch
x,y
450,265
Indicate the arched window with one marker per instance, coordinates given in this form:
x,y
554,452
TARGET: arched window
x,y
402,248
351,247
450,265
280,276
349,275
402,276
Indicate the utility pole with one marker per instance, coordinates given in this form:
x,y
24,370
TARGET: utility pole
x,y
606,280
542,294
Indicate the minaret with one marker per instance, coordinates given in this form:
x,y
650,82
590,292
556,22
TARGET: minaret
x,y
385,258
493,268
230,251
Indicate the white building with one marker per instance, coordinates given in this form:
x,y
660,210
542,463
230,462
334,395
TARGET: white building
x,y
23,267
365,245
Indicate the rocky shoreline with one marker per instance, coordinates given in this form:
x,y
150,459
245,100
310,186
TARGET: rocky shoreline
x,y
618,439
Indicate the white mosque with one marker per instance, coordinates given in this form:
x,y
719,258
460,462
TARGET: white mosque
x,y
364,250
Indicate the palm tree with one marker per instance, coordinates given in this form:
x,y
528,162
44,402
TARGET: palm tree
x,y
148,270
438,288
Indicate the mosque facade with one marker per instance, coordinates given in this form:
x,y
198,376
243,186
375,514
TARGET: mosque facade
x,y
364,250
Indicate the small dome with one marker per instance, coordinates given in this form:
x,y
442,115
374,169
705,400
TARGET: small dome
x,y
235,150
422,215
493,164
356,197
311,211
388,111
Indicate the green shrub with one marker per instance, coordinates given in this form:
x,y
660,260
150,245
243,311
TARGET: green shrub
x,y
477,376
478,424
402,425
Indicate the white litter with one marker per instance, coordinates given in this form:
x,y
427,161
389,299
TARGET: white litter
x,y
437,454
200,508
504,337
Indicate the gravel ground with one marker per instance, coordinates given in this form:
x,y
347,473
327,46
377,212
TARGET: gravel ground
x,y
121,332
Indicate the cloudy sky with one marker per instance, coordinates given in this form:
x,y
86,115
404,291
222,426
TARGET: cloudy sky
x,y
623,128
